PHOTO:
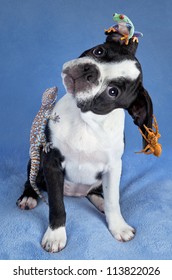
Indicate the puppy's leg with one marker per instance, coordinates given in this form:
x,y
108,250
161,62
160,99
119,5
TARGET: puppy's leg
x,y
116,223
54,238
96,198
28,200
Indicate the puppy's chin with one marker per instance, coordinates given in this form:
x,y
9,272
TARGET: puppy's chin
x,y
84,105
81,98
82,91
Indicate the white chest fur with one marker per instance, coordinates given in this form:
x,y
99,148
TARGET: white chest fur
x,y
88,142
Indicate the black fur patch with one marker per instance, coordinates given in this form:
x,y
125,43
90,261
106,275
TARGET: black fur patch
x,y
54,177
99,176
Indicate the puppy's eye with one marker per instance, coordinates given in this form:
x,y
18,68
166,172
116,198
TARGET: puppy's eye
x,y
99,52
113,91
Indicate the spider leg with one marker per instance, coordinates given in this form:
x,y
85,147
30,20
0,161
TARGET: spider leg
x,y
155,125
141,152
148,153
148,129
143,135
144,150
151,150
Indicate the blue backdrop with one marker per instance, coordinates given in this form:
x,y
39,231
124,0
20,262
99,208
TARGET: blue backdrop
x,y
36,38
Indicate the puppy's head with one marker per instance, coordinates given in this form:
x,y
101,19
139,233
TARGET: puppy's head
x,y
108,77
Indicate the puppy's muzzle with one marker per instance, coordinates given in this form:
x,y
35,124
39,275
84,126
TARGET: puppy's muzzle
x,y
80,77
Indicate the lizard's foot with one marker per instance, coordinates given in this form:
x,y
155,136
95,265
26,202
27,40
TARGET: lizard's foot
x,y
55,118
48,147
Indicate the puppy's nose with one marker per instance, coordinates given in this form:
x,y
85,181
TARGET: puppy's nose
x,y
90,72
86,67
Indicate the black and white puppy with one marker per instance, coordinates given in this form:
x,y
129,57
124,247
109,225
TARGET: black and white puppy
x,y
88,142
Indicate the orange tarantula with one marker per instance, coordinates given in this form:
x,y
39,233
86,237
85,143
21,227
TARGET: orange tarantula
x,y
153,147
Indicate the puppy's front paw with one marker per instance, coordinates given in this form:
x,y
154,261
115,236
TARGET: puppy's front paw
x,y
123,232
26,203
54,240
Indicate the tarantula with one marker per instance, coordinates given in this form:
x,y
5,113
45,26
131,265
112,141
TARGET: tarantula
x,y
153,147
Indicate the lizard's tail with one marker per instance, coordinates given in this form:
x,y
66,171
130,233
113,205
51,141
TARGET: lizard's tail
x,y
34,186
35,163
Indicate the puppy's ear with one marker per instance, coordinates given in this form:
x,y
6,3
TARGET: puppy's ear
x,y
141,111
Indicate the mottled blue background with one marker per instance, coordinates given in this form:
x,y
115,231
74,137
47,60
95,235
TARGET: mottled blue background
x,y
36,38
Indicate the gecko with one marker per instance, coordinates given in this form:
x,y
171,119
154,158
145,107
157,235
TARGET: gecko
x,y
37,135
125,27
